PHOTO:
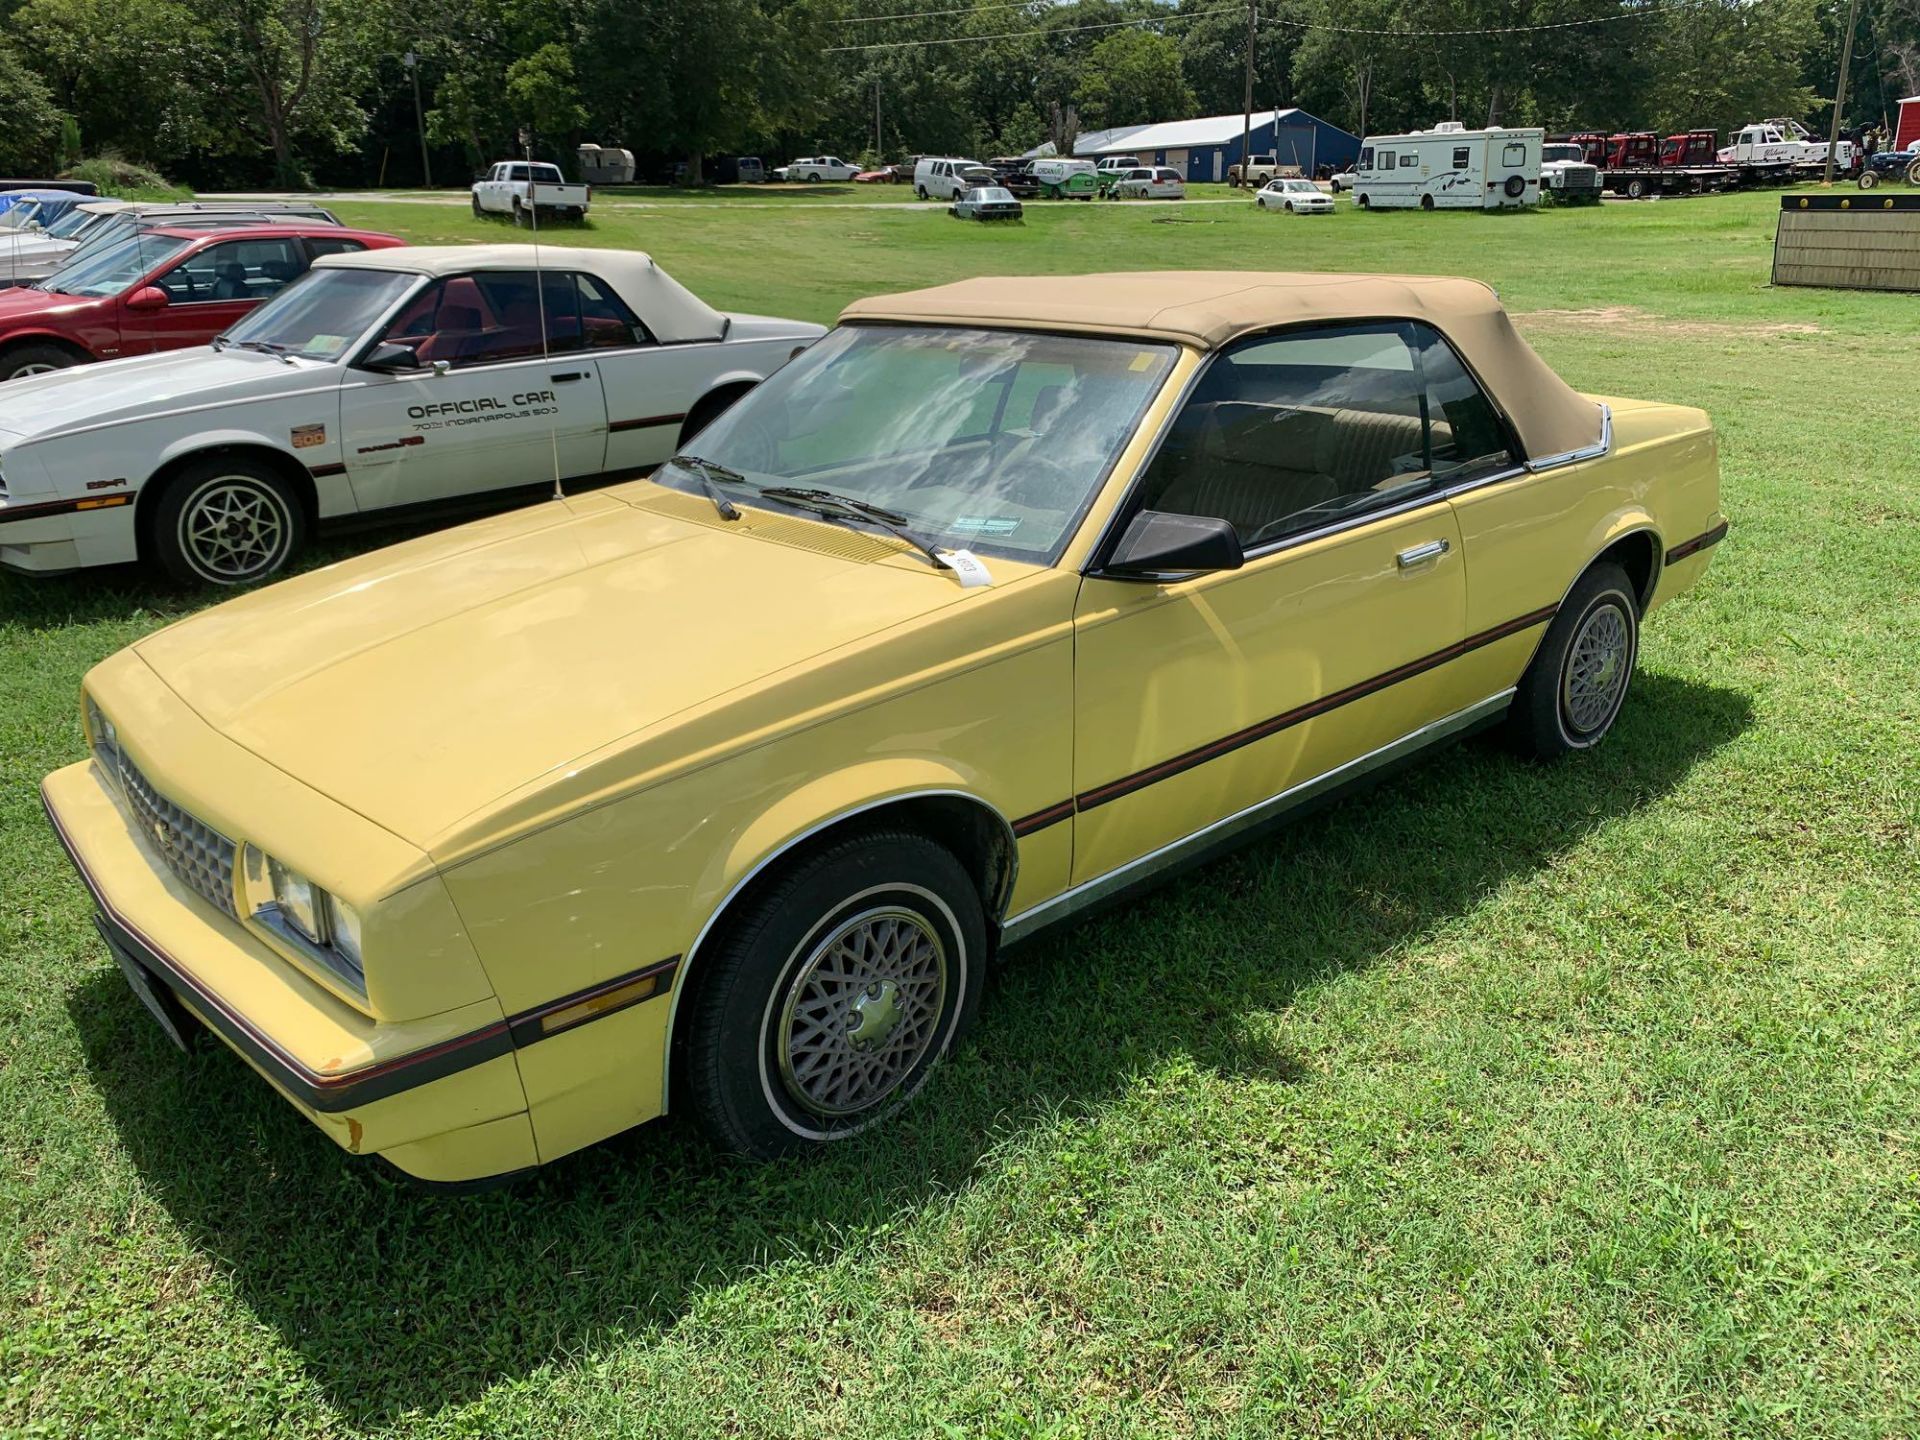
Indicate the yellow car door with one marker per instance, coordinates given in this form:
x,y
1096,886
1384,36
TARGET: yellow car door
x,y
1332,452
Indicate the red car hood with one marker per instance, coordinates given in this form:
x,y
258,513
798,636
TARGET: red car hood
x,y
22,303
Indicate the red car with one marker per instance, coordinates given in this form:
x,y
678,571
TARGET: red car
x,y
159,289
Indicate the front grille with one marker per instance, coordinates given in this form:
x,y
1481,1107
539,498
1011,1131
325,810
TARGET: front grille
x,y
197,853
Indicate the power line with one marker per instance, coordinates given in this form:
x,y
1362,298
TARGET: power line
x,y
930,14
1029,34
1042,32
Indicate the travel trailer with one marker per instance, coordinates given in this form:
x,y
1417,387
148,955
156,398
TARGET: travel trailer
x,y
1449,168
605,165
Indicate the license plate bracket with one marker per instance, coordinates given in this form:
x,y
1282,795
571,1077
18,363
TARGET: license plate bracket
x,y
159,1001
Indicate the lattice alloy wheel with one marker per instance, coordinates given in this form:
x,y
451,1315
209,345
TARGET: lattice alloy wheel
x,y
830,993
1574,688
227,522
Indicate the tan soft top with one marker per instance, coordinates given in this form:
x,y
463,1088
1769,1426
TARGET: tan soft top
x,y
1209,308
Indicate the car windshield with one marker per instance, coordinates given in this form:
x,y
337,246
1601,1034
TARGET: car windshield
x,y
320,315
990,440
20,215
110,270
72,223
1562,152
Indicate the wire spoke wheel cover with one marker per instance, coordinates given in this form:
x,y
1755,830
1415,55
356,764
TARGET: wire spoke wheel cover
x,y
233,529
1593,681
862,1010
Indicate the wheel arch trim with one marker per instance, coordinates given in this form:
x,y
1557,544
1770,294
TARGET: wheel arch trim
x,y
209,442
768,857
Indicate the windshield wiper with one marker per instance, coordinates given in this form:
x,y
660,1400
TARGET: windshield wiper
x,y
706,472
828,502
265,347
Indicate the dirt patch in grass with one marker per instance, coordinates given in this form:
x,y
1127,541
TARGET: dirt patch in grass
x,y
1633,320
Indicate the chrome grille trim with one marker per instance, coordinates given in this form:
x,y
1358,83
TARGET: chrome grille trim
x,y
198,854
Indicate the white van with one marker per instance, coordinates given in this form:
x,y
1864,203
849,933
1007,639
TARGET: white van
x,y
942,179
1449,168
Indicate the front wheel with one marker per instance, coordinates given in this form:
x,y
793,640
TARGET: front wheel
x,y
1573,690
477,211
833,993
227,522
1868,179
1636,189
24,360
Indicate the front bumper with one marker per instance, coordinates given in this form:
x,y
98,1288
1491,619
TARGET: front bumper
x,y
440,1098
47,537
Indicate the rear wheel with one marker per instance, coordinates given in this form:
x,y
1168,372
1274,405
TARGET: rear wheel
x,y
1361,201
1573,690
1426,202
519,215
226,521
833,992
1913,173
24,360
1636,189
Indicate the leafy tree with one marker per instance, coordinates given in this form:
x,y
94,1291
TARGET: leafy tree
x,y
1133,77
1726,62
131,72
291,73
1213,52
29,118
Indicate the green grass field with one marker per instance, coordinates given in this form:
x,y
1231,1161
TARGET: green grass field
x,y
1579,1100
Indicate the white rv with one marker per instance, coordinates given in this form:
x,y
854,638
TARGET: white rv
x,y
1449,168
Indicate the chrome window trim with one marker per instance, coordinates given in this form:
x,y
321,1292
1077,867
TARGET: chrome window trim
x,y
1585,452
1089,892
1094,567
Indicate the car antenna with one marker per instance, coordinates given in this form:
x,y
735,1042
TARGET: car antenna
x,y
540,299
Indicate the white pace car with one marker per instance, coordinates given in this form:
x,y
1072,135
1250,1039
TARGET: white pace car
x,y
383,382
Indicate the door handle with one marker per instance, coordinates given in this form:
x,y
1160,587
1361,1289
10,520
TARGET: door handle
x,y
1420,554
566,375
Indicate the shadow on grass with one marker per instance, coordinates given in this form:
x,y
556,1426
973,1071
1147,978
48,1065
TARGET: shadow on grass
x,y
403,1301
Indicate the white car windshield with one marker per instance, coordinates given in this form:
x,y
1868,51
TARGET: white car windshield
x,y
991,440
322,314
110,270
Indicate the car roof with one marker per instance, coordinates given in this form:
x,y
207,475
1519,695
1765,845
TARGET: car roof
x,y
671,311
1208,309
272,230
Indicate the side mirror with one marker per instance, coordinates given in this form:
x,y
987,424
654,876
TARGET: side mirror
x,y
1156,543
387,358
148,297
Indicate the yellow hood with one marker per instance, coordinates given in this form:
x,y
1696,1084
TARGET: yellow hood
x,y
417,684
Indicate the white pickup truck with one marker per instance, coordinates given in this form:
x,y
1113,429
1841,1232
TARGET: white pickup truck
x,y
529,192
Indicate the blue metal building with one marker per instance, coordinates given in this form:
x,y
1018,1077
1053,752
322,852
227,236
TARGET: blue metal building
x,y
1203,149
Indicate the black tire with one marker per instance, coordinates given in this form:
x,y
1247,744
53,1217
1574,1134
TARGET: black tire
x,y
813,177
477,211
266,524
519,215
21,361
1636,189
1426,202
1361,201
1579,678
1516,186
893,887
1913,173
706,410
920,192
1868,179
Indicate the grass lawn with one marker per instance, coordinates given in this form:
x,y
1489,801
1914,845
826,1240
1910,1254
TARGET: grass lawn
x,y
1576,1100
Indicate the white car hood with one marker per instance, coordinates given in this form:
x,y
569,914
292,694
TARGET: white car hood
x,y
86,395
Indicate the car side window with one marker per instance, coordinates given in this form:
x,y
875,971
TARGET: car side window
x,y
1465,433
319,245
237,270
495,316
1289,433
1386,160
1460,157
1366,158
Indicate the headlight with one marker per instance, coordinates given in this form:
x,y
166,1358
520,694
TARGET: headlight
x,y
319,926
101,736
299,901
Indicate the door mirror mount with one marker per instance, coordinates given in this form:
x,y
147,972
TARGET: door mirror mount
x,y
387,358
1157,543
148,297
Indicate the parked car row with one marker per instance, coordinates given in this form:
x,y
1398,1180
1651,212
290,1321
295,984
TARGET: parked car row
x,y
719,789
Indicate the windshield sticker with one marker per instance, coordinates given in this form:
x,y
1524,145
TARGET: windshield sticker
x,y
326,345
986,524
305,437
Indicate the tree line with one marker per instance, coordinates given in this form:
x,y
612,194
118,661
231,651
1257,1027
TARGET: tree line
x,y
292,92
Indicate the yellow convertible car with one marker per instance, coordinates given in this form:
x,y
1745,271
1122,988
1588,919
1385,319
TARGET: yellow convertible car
x,y
719,788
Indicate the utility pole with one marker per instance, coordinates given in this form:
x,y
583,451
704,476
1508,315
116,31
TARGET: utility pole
x,y
879,142
1246,127
412,62
1840,90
